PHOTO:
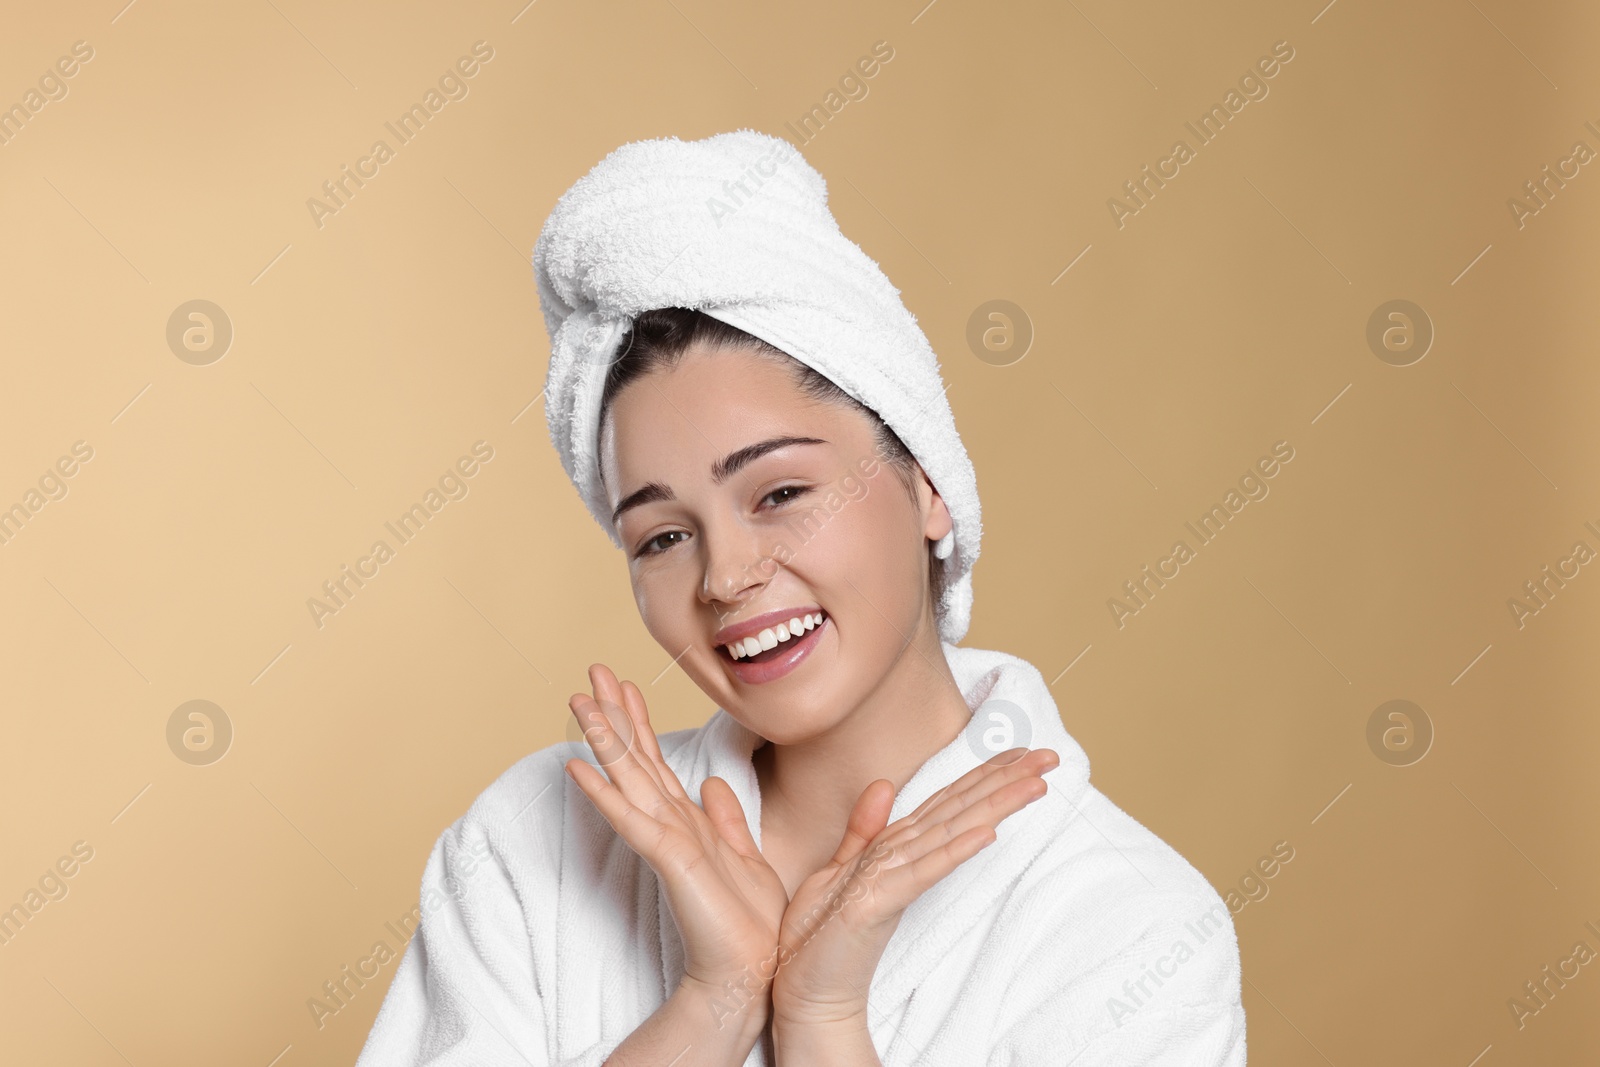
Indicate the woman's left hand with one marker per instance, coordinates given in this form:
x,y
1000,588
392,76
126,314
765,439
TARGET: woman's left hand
x,y
841,918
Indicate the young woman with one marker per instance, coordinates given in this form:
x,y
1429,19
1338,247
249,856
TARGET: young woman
x,y
882,847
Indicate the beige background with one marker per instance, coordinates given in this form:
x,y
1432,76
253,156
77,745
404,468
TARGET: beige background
x,y
369,354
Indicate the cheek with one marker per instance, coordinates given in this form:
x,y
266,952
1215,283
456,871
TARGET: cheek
x,y
655,591
834,536
867,541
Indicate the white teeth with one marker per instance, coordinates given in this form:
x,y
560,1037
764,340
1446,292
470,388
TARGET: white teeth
x,y
773,636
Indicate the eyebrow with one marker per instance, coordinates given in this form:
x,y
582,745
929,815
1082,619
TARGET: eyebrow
x,y
721,471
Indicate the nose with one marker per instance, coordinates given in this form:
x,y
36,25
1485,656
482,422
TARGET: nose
x,y
734,561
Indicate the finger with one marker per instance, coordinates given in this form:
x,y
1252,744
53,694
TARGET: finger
x,y
608,692
624,712
648,752
665,846
1000,760
979,783
988,811
644,835
897,880
602,729
647,744
633,701
986,803
993,776
724,819
727,815
931,826
929,869
610,695
895,887
867,820
643,778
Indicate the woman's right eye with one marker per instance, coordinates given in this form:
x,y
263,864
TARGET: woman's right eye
x,y
649,549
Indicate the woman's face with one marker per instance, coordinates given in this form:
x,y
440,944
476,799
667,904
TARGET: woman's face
x,y
719,527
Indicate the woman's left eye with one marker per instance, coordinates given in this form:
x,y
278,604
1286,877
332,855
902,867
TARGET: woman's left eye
x,y
797,490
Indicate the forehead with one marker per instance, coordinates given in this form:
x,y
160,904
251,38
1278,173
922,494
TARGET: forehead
x,y
712,402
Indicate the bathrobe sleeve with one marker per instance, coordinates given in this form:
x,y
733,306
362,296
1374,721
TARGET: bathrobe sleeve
x,y
466,992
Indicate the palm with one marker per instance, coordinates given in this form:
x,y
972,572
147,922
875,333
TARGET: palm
x,y
842,916
726,899
730,912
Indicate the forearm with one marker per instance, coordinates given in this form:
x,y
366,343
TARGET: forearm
x,y
694,1028
846,1043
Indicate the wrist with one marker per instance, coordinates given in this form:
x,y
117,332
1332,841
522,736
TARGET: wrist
x,y
832,1037
738,1005
837,1013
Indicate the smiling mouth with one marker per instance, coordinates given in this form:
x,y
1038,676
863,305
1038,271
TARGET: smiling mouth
x,y
752,650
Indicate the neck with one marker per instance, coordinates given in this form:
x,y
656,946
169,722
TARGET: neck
x,y
915,710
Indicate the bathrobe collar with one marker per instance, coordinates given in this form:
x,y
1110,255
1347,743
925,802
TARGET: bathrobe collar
x,y
1011,705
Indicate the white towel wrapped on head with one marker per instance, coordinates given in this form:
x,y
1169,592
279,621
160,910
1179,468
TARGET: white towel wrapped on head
x,y
737,225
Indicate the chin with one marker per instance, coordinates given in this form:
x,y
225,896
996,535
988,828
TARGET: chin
x,y
795,718
784,733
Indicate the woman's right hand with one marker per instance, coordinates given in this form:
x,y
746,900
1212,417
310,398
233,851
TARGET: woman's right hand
x,y
726,898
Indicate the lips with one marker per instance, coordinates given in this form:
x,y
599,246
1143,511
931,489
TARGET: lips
x,y
753,626
780,659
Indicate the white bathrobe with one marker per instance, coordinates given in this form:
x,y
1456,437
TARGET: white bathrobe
x,y
1076,937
